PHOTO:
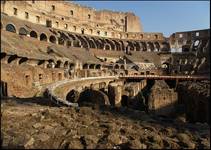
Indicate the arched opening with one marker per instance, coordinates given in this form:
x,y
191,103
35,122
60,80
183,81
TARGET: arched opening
x,y
52,39
85,66
107,47
10,28
72,66
23,60
165,46
157,46
98,66
66,64
116,66
61,41
72,96
33,34
12,58
92,97
122,67
92,44
150,46
69,44
23,31
92,66
43,37
58,64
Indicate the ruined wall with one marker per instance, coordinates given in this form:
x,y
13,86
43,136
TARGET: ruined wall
x,y
162,100
195,96
27,81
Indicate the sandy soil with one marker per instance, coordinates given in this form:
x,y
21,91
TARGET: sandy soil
x,y
36,123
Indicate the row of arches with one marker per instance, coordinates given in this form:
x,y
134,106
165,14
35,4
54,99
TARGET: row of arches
x,y
75,40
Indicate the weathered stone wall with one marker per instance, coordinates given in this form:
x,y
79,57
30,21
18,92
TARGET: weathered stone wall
x,y
195,96
26,81
161,99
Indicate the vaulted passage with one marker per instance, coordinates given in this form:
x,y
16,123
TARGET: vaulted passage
x,y
92,97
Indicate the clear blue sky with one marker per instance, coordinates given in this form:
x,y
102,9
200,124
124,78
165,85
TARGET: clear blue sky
x,y
162,16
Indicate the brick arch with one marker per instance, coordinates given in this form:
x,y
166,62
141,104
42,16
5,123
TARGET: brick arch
x,y
117,45
23,31
52,39
10,27
43,37
157,46
150,46
33,34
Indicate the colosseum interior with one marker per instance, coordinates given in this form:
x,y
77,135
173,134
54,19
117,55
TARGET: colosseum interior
x,y
73,55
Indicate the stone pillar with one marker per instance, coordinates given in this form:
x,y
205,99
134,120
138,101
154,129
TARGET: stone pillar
x,y
114,93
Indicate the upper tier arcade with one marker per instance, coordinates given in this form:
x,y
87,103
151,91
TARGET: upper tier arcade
x,y
72,17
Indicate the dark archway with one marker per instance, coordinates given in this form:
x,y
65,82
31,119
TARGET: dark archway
x,y
43,37
52,39
85,66
10,28
23,31
92,97
73,96
33,34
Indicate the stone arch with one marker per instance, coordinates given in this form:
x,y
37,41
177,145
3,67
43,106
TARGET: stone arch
x,y
143,46
43,37
90,96
117,45
77,43
122,67
72,96
107,46
66,64
23,60
72,66
86,66
60,41
99,43
11,28
98,66
130,46
83,41
157,46
69,43
116,66
92,66
150,46
113,47
52,39
12,58
165,46
137,46
92,43
23,31
58,64
33,34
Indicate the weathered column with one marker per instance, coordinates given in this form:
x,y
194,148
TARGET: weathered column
x,y
114,93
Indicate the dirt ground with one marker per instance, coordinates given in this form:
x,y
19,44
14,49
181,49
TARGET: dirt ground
x,y
36,123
